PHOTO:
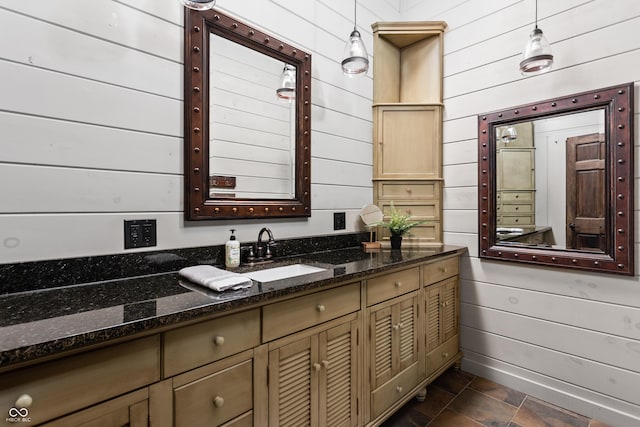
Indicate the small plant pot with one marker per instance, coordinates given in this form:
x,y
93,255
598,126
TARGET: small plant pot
x,y
396,241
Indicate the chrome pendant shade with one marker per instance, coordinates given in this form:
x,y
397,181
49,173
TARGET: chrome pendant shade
x,y
198,4
286,91
356,60
537,57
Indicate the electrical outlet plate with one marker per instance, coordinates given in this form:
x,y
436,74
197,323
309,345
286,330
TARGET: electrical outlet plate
x,y
140,233
339,221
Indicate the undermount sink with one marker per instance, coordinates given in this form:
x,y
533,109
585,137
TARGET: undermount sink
x,y
285,272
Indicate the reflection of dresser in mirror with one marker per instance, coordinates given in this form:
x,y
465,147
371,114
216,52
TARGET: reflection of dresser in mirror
x,y
515,177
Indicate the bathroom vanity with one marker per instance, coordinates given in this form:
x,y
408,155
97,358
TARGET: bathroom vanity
x,y
346,346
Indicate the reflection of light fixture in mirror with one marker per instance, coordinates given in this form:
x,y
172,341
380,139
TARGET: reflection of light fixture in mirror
x,y
356,60
198,4
537,57
287,89
508,134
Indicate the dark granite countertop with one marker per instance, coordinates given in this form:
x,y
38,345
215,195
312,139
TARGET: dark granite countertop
x,y
42,323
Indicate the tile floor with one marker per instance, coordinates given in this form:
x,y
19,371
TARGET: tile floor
x,y
460,399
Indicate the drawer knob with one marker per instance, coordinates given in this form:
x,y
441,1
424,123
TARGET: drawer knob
x,y
24,401
398,284
325,364
445,355
409,190
316,367
219,340
442,269
320,308
399,389
218,401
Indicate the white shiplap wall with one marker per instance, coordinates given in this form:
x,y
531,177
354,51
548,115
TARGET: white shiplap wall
x,y
91,122
570,338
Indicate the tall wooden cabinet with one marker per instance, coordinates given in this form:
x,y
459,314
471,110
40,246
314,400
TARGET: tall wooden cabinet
x,y
407,125
515,184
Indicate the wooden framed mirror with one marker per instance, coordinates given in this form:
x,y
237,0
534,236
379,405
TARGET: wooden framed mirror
x,y
556,182
247,153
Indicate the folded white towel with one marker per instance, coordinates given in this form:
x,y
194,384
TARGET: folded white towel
x,y
215,278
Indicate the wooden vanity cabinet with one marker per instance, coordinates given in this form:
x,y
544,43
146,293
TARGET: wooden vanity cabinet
x,y
441,316
346,356
313,376
313,372
392,348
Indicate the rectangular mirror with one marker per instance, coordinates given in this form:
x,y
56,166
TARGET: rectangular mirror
x,y
247,139
556,182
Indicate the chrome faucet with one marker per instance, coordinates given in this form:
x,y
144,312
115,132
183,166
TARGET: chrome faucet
x,y
261,251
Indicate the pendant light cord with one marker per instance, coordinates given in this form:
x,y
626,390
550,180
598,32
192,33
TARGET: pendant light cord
x,y
536,13
355,14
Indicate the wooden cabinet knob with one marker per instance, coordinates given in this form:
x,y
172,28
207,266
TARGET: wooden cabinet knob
x,y
442,269
409,190
218,340
316,367
320,308
398,284
325,364
399,389
218,401
396,327
24,401
445,355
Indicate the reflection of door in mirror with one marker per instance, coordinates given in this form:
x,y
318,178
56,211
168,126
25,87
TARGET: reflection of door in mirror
x,y
585,192
252,137
553,187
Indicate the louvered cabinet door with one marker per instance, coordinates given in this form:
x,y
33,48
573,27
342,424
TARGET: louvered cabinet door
x,y
338,379
293,384
442,323
393,352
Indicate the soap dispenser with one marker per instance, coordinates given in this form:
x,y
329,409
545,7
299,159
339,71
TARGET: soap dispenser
x,y
232,251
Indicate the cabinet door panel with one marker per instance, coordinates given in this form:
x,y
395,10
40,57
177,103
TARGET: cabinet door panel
x,y
408,142
293,380
407,334
381,346
338,379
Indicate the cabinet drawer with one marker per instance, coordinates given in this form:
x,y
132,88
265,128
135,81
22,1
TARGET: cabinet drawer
x,y
409,190
507,220
517,196
391,285
512,208
196,345
63,386
393,390
440,270
293,315
441,355
420,211
215,399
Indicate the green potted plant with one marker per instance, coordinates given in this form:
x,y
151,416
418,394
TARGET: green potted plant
x,y
398,225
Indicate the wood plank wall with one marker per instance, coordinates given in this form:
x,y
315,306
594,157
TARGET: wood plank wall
x,y
570,338
91,122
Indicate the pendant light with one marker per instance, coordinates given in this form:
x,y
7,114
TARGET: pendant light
x,y
508,134
287,90
356,60
537,57
198,4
